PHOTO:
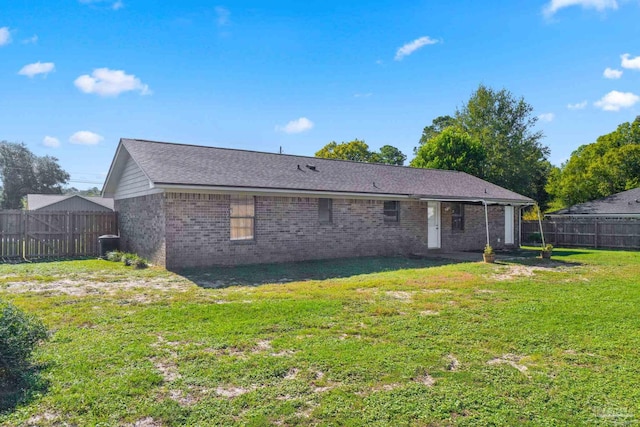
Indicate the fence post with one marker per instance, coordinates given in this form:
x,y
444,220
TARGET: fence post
x,y
595,236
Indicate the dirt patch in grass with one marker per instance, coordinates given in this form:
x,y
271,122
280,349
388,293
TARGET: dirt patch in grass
x,y
518,270
429,313
167,368
453,364
512,360
425,379
146,422
233,391
402,296
88,287
45,417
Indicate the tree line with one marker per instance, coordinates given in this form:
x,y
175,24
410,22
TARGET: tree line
x,y
493,136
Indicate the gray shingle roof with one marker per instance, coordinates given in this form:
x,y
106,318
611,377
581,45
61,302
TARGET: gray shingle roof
x,y
625,203
191,165
38,201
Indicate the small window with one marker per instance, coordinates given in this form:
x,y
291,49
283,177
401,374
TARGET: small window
x,y
325,210
457,217
242,217
391,211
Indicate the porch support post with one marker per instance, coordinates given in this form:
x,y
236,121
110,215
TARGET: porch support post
x,y
540,224
486,220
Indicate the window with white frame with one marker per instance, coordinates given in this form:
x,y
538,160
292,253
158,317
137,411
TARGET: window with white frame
x,y
242,217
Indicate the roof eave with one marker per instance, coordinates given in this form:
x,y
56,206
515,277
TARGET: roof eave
x,y
294,191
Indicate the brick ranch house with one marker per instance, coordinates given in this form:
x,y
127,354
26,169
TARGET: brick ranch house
x,y
190,206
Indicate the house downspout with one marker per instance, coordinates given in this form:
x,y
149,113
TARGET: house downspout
x,y
486,220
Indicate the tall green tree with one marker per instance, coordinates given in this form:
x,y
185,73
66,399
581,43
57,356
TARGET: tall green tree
x,y
438,124
596,170
505,126
451,149
22,172
391,155
358,151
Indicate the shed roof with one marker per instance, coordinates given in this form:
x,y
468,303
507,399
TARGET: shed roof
x,y
624,203
39,201
170,164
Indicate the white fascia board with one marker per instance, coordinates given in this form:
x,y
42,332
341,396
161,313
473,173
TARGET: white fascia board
x,y
316,193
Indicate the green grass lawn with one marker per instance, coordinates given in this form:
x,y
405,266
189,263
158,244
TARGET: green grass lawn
x,y
366,342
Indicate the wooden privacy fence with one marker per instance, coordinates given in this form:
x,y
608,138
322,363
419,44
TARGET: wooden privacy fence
x,y
27,234
592,233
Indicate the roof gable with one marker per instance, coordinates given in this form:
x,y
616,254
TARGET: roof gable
x,y
39,201
168,164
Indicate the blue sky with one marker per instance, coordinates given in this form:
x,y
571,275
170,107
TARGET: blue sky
x,y
77,75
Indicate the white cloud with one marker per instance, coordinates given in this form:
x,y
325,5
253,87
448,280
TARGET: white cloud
x,y
578,106
610,73
362,95
106,82
222,15
614,101
50,141
5,36
296,126
36,68
31,40
600,5
84,137
630,63
546,117
411,47
115,5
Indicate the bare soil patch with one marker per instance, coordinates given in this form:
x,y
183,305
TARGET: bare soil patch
x,y
512,360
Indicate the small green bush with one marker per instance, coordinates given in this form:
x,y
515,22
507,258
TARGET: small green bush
x,y
141,263
19,335
129,259
115,256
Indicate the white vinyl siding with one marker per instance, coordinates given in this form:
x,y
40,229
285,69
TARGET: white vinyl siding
x,y
133,182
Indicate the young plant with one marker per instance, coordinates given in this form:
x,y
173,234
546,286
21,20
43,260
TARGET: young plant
x,y
488,250
141,263
115,256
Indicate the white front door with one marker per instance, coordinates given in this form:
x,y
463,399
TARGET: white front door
x,y
433,225
509,229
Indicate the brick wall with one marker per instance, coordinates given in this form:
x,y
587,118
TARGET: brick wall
x,y
190,230
287,229
474,236
142,227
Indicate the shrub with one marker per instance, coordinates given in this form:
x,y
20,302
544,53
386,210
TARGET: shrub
x,y
115,256
129,259
141,263
19,335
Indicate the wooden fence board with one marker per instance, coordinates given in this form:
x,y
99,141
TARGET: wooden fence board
x,y
29,234
596,233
